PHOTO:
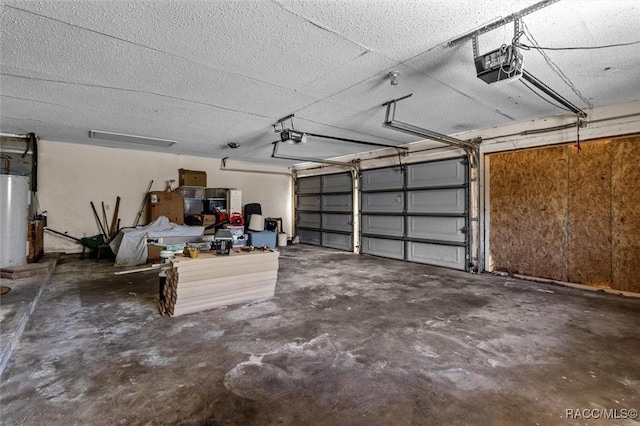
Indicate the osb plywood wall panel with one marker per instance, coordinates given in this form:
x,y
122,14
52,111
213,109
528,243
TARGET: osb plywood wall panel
x,y
569,215
528,212
589,225
625,207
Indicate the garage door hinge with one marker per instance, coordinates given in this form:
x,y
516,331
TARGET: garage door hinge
x,y
464,229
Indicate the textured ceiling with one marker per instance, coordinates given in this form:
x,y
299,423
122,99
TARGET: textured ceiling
x,y
206,73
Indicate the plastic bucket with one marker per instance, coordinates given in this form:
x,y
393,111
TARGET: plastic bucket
x,y
165,255
256,222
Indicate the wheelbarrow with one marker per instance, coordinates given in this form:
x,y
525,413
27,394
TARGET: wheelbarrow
x,y
95,242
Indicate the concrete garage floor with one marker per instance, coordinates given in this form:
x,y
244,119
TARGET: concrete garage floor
x,y
347,340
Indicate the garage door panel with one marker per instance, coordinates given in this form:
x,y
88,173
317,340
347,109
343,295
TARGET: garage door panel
x,y
382,179
383,225
341,182
437,173
380,247
309,220
436,254
337,202
447,201
437,228
308,202
310,237
308,185
383,202
337,222
324,210
337,241
417,213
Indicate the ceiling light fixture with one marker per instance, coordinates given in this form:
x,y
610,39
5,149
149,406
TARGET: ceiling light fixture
x,y
141,140
393,75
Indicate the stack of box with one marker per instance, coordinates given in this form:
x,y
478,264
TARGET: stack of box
x,y
193,198
192,185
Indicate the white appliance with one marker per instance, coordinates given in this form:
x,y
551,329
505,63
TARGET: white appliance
x,y
14,214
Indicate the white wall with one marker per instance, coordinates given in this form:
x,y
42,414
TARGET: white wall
x,y
70,176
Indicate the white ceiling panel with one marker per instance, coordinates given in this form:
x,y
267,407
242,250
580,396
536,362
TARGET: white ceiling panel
x,y
206,32
206,73
401,29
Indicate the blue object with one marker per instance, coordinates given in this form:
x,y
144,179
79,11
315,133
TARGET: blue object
x,y
263,238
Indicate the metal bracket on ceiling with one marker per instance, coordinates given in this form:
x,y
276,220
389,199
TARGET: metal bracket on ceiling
x,y
400,126
552,94
476,44
274,154
280,123
474,40
335,138
502,21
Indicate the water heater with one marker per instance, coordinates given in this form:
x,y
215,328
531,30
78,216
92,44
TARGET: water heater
x,y
14,213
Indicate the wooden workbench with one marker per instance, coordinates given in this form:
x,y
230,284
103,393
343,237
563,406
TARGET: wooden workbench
x,y
211,281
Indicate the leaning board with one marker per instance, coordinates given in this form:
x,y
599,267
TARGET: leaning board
x,y
211,281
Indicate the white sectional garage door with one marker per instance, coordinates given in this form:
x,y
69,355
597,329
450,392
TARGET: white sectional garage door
x,y
324,210
417,212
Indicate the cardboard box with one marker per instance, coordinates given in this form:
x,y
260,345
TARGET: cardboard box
x,y
192,178
208,219
35,238
153,252
169,204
